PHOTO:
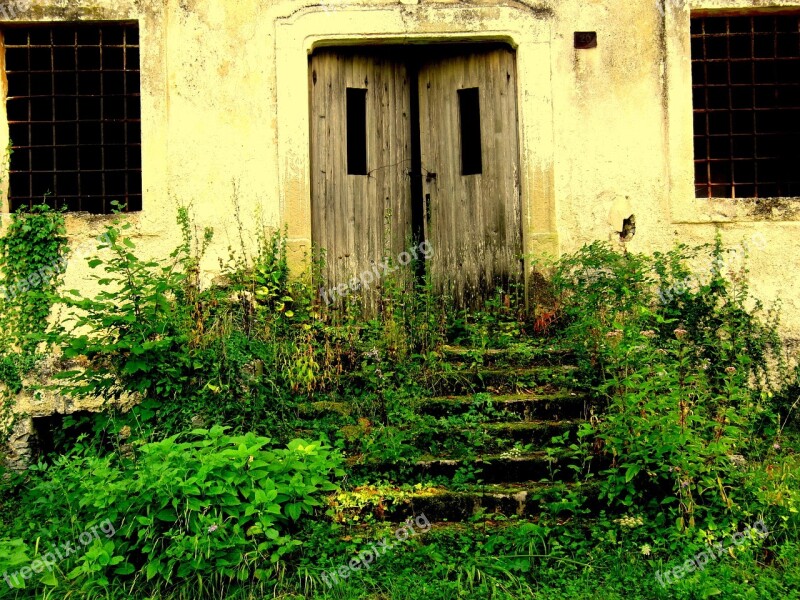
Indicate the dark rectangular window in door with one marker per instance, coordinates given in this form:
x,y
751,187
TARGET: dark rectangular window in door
x,y
470,116
356,131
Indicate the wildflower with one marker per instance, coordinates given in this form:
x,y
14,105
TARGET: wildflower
x,y
738,460
212,529
648,334
680,333
776,445
125,433
614,336
646,550
730,370
629,521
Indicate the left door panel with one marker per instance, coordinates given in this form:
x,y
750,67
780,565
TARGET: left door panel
x,y
360,205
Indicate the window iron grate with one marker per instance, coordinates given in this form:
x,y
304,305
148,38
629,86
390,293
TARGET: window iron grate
x,y
73,108
746,99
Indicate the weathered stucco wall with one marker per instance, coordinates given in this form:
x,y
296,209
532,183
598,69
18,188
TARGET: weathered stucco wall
x,y
604,131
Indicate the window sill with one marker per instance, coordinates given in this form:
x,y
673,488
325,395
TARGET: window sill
x,y
739,210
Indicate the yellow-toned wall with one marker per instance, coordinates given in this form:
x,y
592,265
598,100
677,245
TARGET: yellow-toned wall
x,y
604,131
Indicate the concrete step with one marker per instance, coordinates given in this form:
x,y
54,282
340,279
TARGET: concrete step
x,y
379,529
502,380
563,404
325,407
554,405
538,432
508,467
437,503
484,438
521,354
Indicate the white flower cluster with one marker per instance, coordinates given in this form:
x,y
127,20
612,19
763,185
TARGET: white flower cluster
x,y
514,452
630,521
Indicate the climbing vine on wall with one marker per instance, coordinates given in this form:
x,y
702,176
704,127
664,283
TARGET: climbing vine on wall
x,y
32,263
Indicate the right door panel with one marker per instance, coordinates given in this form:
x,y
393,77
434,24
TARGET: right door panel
x,y
470,159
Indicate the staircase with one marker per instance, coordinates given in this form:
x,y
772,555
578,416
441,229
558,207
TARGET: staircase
x,y
512,403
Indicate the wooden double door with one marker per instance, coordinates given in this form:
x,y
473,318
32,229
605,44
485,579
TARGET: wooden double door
x,y
417,147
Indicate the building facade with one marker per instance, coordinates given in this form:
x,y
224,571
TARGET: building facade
x,y
492,129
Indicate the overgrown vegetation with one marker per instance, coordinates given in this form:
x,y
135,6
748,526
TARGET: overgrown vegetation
x,y
32,262
229,409
687,373
215,509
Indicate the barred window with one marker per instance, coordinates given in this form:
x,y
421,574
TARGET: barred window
x,y
746,97
74,118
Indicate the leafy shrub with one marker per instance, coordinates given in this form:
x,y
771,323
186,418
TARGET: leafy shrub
x,y
216,507
32,263
185,351
700,289
242,351
673,354
134,335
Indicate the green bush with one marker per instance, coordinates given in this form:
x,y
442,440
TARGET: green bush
x,y
32,263
214,508
186,351
136,332
673,355
244,351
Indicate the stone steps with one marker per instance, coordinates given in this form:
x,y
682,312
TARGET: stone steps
x,y
487,445
510,467
503,380
533,405
486,437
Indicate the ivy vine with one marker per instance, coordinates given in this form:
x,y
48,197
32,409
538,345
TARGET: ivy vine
x,y
32,263
33,259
